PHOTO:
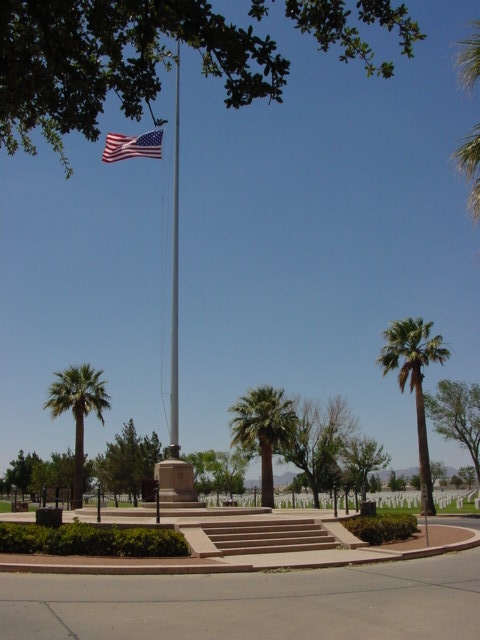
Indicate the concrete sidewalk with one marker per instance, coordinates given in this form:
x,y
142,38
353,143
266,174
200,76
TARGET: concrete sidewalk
x,y
442,539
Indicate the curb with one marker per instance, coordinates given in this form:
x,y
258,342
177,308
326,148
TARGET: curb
x,y
195,566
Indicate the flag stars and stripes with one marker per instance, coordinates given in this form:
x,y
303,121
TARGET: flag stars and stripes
x,y
120,147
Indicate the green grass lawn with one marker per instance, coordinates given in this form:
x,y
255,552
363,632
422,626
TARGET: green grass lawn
x,y
5,507
468,507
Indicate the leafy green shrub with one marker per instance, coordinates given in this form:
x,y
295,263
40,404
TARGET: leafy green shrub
x,y
86,539
137,543
80,539
399,526
382,528
16,538
367,528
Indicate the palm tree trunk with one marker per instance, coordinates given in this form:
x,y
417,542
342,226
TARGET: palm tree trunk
x,y
267,474
77,498
428,506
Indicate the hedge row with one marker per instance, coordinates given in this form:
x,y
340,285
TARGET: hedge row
x,y
382,527
85,539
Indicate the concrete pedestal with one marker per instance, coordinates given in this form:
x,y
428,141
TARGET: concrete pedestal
x,y
175,481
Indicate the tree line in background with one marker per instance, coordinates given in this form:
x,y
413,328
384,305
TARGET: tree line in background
x,y
130,460
321,439
123,468
120,470
312,439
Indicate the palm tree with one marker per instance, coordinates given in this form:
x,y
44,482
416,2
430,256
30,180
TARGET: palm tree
x,y
468,154
410,347
264,417
81,390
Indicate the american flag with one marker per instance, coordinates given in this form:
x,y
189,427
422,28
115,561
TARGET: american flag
x,y
120,147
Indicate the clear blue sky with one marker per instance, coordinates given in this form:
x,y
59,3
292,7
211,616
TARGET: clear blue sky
x,y
305,228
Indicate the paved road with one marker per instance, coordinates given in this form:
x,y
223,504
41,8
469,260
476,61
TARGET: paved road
x,y
431,598
455,521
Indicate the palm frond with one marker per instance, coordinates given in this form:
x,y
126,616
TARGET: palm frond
x,y
263,413
78,389
473,202
468,59
409,346
467,156
403,376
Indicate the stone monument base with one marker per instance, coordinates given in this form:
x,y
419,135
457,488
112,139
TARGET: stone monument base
x,y
175,481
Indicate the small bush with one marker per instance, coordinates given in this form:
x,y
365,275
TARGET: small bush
x,y
399,527
16,538
137,543
366,528
382,528
86,539
80,539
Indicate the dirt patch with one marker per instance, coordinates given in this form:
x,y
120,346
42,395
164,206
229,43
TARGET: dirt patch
x,y
438,536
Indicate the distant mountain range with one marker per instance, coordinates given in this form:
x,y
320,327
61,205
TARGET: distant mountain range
x,y
278,481
286,478
384,475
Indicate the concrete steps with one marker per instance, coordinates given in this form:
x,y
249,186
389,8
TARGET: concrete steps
x,y
261,536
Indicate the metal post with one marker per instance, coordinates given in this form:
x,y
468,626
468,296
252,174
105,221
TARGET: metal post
x,y
346,500
356,498
174,438
157,500
56,497
99,519
44,496
254,496
335,510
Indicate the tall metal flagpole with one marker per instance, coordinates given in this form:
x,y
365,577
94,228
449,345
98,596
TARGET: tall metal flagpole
x,y
174,444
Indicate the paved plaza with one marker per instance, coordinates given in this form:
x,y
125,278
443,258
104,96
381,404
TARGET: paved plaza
x,y
441,539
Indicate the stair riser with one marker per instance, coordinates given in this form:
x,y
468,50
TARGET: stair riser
x,y
259,523
283,549
271,528
270,542
214,537
256,537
